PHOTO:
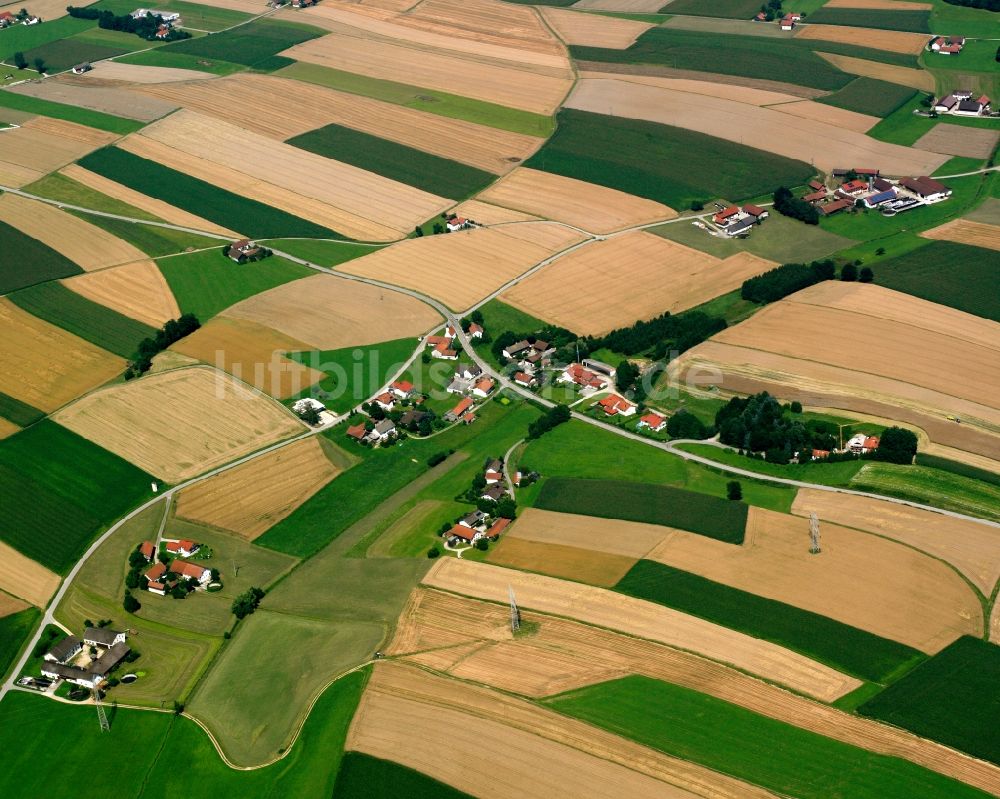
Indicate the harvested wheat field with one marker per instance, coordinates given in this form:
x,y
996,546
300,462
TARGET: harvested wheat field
x,y
10,605
959,140
612,536
355,192
488,215
329,312
828,115
252,353
554,238
280,108
427,622
501,664
179,424
859,579
644,619
46,9
24,578
904,76
114,100
739,94
158,208
575,202
134,73
805,139
252,498
879,5
972,548
649,6
594,30
995,623
495,83
890,41
966,232
86,245
405,713
42,144
137,290
7,428
649,275
485,259
559,560
45,366
979,461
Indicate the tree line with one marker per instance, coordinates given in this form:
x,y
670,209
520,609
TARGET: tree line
x,y
145,26
172,332
987,5
787,204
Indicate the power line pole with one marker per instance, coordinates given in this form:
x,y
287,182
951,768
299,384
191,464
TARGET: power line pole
x,y
102,717
813,534
515,614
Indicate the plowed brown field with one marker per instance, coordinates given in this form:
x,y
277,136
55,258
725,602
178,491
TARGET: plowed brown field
x,y
828,115
559,560
904,76
491,21
594,30
613,536
250,499
252,353
9,605
137,290
45,366
42,144
890,41
108,97
329,312
612,283
24,578
179,424
966,232
575,202
644,619
134,73
958,140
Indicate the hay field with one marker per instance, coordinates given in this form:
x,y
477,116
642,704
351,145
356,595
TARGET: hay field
x,y
726,91
973,549
890,41
488,214
280,108
45,366
405,713
959,140
251,353
965,231
86,245
459,269
559,560
593,30
829,115
42,145
108,99
352,191
179,424
611,536
612,283
251,498
807,140
575,202
879,5
10,605
397,61
134,73
643,619
137,290
859,579
905,76
46,9
330,313
24,578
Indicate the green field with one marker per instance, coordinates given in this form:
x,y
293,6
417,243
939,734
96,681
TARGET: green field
x,y
205,283
951,698
14,631
653,161
71,113
831,474
194,15
57,186
20,413
203,199
973,276
324,253
85,318
498,317
887,19
963,21
27,261
365,777
433,174
869,96
727,9
772,754
845,648
423,99
646,502
354,373
65,53
255,44
58,489
27,37
932,486
958,467
165,58
152,240
904,127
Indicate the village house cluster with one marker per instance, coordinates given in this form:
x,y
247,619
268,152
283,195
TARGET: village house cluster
x,y
87,662
961,103
22,17
245,250
486,522
168,19
590,376
737,221
867,186
162,578
946,45
858,444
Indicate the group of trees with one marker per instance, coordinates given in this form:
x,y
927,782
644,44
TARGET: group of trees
x,y
22,63
145,26
666,332
849,272
759,424
550,419
684,424
172,332
554,336
988,5
787,204
771,9
786,279
247,602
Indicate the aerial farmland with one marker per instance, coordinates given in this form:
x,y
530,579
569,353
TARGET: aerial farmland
x,y
524,398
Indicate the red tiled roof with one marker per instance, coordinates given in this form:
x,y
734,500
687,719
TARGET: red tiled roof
x,y
147,550
403,385
435,340
385,398
458,531
815,184
983,100
156,585
485,385
865,170
498,527
871,442
357,431
612,404
187,569
821,453
726,213
176,546
474,328
836,205
522,377
653,419
816,195
155,572
756,210
469,418
854,185
462,406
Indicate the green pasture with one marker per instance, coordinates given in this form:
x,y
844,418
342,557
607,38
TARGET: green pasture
x,y
954,20
57,186
71,113
25,38
159,57
103,573
14,631
20,413
869,96
832,474
27,261
365,777
841,646
255,44
760,750
725,9
880,19
932,486
904,127
193,15
325,253
958,467
62,54
958,165
153,240
499,317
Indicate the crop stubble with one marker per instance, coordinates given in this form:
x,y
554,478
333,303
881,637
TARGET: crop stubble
x,y
958,140
22,577
594,30
890,41
965,231
42,144
904,76
137,290
560,560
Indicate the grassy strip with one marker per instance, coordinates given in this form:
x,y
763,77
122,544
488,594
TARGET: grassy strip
x,y
758,749
14,631
70,113
869,96
85,318
203,199
433,174
647,502
27,37
324,253
725,9
881,19
20,413
255,44
58,489
951,698
831,474
153,240
158,58
845,648
956,467
653,161
932,487
365,777
56,186
27,261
